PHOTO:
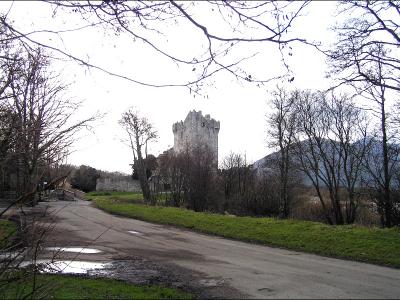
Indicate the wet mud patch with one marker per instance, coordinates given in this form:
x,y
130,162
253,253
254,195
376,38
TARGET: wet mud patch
x,y
137,270
166,255
140,271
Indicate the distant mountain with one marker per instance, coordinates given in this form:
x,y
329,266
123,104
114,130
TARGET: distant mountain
x,y
268,164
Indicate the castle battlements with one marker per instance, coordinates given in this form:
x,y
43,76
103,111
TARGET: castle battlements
x,y
196,118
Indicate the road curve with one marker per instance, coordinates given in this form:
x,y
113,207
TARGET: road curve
x,y
253,271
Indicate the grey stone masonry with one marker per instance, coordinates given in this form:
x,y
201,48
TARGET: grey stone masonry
x,y
118,184
196,130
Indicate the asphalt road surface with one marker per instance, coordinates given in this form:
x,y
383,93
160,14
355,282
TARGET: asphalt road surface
x,y
222,267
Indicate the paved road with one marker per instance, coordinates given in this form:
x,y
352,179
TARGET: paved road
x,y
249,270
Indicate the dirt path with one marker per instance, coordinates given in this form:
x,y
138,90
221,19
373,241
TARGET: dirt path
x,y
211,266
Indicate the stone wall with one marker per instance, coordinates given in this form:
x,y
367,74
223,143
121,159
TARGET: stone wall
x,y
196,130
122,184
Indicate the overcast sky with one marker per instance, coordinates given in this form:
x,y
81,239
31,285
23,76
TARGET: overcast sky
x,y
240,107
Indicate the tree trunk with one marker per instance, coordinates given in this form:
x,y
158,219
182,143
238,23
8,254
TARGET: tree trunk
x,y
387,205
284,209
350,209
325,211
338,209
141,169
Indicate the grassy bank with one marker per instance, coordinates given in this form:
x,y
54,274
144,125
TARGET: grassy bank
x,y
8,230
120,197
375,245
73,287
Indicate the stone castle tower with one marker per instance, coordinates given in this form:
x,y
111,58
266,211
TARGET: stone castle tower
x,y
196,130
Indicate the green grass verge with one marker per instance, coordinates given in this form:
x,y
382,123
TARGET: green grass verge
x,y
120,197
374,245
8,231
73,287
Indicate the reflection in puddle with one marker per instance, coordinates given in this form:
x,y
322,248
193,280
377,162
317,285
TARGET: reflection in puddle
x,y
74,249
134,232
67,266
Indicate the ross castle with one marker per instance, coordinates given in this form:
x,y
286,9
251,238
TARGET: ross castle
x,y
196,130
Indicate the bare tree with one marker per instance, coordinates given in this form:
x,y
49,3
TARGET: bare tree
x,y
140,132
230,168
388,157
43,127
237,181
282,129
369,36
366,57
172,171
243,23
192,177
330,146
7,141
40,118
248,191
200,173
348,127
36,131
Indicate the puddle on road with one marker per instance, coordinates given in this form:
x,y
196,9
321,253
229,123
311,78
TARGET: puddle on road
x,y
135,232
74,249
68,266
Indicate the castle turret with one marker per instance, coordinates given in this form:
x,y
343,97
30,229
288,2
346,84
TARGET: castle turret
x,y
196,130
